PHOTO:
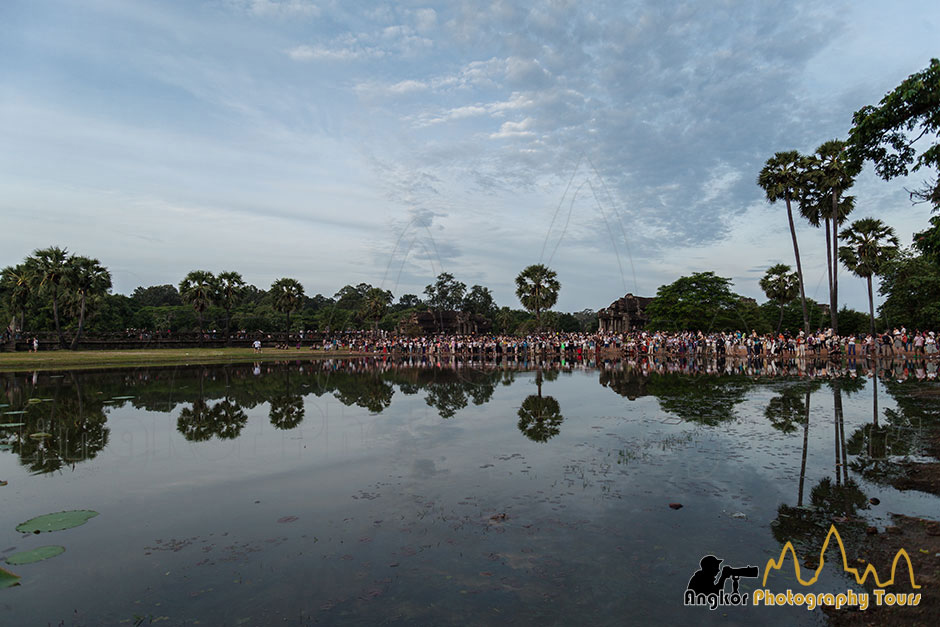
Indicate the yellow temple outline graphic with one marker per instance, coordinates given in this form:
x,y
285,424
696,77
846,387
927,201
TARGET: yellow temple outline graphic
x,y
860,579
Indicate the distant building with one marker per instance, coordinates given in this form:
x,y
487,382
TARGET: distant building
x,y
447,322
623,315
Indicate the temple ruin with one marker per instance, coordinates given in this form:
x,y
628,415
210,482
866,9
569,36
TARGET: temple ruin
x,y
623,315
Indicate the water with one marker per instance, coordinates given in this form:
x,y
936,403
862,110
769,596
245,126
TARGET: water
x,y
371,492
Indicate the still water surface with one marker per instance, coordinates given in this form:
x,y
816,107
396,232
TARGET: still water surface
x,y
371,492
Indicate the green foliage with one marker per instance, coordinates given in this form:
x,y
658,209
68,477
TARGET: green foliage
x,y
537,289
287,295
56,522
883,134
36,555
157,296
911,287
928,241
446,293
700,302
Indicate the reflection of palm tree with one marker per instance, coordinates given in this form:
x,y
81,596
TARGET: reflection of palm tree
x,y
540,416
230,420
287,411
195,422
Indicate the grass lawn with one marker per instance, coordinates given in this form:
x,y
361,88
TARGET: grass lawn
x,y
78,360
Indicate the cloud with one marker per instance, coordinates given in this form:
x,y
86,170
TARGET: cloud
x,y
278,8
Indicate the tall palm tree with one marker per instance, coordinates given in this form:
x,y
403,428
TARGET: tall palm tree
x,y
288,294
88,278
49,267
200,289
781,286
834,173
375,305
870,243
231,288
782,177
537,288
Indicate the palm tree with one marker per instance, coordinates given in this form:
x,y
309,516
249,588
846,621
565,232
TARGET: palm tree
x,y
88,278
781,286
537,288
375,304
287,296
870,244
200,289
15,280
782,177
833,173
231,287
49,267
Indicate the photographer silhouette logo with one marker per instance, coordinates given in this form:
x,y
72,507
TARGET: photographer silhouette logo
x,y
707,585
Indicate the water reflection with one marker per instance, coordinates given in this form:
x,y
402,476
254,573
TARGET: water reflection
x,y
540,416
67,414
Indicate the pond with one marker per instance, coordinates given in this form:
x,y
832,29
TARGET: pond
x,y
413,492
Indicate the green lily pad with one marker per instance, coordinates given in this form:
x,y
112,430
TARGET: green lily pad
x,y
7,425
122,398
36,555
3,483
57,521
40,435
8,579
14,413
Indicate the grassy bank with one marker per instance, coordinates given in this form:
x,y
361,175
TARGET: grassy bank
x,y
83,360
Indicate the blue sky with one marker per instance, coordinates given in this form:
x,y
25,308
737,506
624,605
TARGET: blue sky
x,y
347,142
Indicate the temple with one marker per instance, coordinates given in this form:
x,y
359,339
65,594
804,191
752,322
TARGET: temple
x,y
623,315
446,322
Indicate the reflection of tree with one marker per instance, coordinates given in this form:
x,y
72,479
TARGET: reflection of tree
x,y
287,410
447,397
788,409
196,422
200,422
366,390
230,419
540,416
75,425
703,399
807,527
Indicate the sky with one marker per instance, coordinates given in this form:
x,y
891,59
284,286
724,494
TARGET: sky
x,y
385,142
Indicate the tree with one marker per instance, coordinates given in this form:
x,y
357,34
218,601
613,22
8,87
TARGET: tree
x,y
230,289
157,296
446,294
870,244
700,302
537,288
911,287
287,295
882,134
928,241
376,303
200,289
781,286
829,173
15,282
48,267
479,300
89,279
408,301
782,178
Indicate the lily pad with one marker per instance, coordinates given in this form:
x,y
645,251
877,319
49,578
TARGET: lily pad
x,y
34,400
57,521
122,398
3,483
6,447
14,413
8,579
40,435
36,555
8,425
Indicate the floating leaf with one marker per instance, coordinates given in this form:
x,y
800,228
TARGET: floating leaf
x,y
16,413
7,425
8,579
40,435
36,555
57,521
4,483
122,398
6,447
34,400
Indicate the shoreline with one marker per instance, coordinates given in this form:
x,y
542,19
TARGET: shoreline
x,y
140,358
